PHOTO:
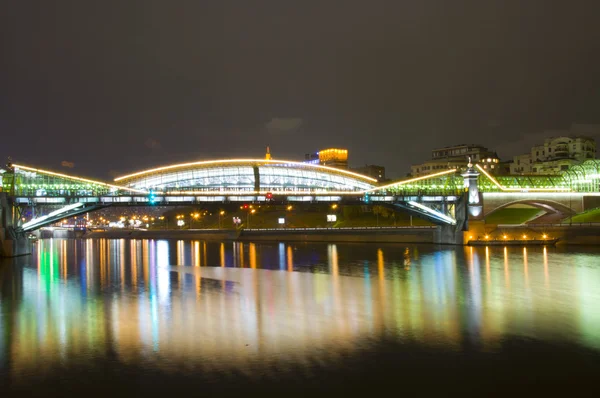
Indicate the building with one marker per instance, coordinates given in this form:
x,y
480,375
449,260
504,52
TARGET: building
x,y
371,170
312,158
557,153
504,167
456,157
332,157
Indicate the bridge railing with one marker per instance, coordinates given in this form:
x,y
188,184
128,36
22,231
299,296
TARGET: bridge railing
x,y
342,228
561,225
418,192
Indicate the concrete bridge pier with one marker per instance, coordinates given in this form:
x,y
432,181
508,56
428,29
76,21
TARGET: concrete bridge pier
x,y
448,235
12,243
454,234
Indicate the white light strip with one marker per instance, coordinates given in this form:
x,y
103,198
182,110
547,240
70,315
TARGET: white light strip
x,y
19,166
52,214
561,194
275,193
433,212
256,161
404,182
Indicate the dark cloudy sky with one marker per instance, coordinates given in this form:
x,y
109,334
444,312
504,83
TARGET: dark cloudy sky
x,y
123,85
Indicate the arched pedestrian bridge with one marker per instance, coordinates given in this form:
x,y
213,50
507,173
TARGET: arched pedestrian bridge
x,y
55,195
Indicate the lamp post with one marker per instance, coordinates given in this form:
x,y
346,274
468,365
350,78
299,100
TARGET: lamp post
x,y
221,213
248,217
195,217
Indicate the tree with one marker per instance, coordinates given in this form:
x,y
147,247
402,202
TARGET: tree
x,y
381,211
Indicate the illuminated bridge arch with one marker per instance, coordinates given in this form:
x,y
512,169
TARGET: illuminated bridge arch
x,y
548,205
248,176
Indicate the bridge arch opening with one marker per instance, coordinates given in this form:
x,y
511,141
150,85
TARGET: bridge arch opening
x,y
529,211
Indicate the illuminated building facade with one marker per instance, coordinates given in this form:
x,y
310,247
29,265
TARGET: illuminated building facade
x,y
332,157
556,154
457,157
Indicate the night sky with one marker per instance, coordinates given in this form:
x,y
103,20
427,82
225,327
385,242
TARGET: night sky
x,y
107,87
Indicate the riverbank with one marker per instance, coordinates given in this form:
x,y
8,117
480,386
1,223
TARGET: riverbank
x,y
581,234
369,234
567,234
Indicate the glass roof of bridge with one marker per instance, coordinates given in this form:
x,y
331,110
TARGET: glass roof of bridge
x,y
580,178
30,181
242,175
247,176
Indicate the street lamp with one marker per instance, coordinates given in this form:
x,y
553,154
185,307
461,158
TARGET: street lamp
x,y
195,216
221,214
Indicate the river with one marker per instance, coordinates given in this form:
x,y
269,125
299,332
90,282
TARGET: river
x,y
137,316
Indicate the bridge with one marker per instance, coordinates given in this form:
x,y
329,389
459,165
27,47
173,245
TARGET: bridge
x,y
447,198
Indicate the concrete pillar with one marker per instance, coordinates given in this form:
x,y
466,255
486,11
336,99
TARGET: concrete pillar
x,y
448,235
454,234
12,243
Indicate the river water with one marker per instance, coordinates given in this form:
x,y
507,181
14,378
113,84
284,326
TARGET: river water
x,y
138,316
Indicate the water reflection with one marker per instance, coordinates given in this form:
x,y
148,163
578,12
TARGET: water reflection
x,y
235,301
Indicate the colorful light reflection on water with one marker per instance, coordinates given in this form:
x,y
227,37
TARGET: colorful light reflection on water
x,y
219,304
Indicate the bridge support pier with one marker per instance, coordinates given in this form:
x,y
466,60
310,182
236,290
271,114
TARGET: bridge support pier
x,y
12,244
449,235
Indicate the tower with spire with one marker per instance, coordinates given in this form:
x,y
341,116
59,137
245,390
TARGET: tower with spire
x,y
268,154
